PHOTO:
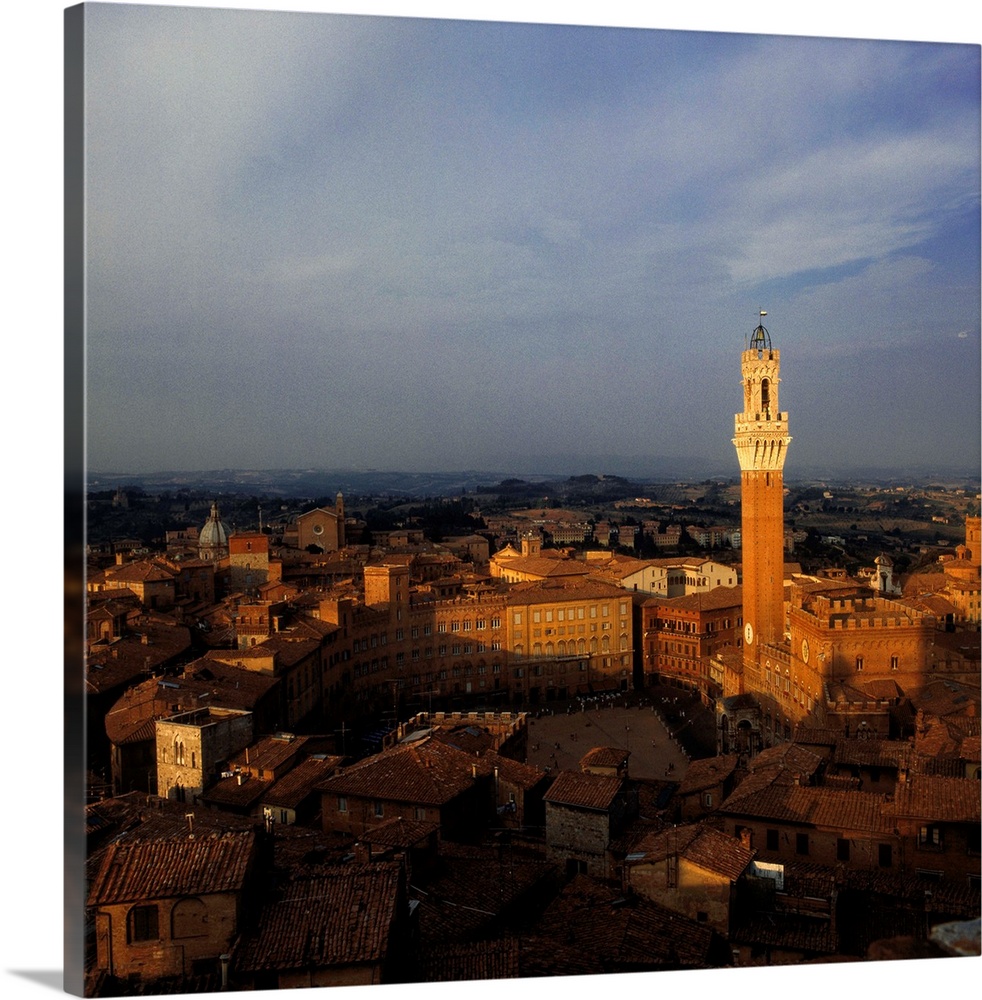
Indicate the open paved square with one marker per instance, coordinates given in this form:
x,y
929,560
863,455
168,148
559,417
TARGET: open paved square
x,y
560,740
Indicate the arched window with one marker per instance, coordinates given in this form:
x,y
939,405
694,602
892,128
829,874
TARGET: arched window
x,y
765,394
189,918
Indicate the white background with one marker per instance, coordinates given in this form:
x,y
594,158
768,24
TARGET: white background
x,y
31,860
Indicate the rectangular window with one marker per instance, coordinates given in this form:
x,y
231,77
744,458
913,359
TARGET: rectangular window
x,y
894,662
143,924
801,843
379,809
929,836
772,840
518,618
885,854
842,849
859,663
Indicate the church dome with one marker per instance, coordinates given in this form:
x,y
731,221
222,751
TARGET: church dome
x,y
214,534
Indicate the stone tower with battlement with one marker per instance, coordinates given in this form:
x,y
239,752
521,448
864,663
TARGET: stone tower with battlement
x,y
761,440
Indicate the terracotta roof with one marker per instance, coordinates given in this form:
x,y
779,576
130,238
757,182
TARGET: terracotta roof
x,y
709,600
946,697
471,739
792,931
513,772
817,736
269,752
872,753
584,791
700,845
707,773
557,591
933,604
289,650
344,918
230,792
400,832
301,781
145,571
932,798
472,960
129,658
546,568
620,931
834,808
789,758
427,772
178,866
605,757
204,681
474,886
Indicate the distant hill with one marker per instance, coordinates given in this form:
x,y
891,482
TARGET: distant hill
x,y
598,479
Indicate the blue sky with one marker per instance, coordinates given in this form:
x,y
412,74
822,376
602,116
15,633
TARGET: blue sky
x,y
344,241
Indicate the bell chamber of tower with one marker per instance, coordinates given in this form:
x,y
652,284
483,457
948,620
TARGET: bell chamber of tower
x,y
761,440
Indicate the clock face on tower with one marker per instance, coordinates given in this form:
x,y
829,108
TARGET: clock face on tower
x,y
804,650
748,633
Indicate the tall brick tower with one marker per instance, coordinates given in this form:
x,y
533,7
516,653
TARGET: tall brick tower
x,y
761,443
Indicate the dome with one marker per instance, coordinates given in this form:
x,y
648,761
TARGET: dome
x,y
214,534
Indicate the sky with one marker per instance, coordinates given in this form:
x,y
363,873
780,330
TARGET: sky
x,y
409,243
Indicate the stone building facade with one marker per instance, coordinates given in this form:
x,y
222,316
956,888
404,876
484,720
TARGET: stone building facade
x,y
170,907
323,528
192,745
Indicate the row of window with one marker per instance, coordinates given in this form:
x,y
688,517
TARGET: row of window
x,y
894,662
569,614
